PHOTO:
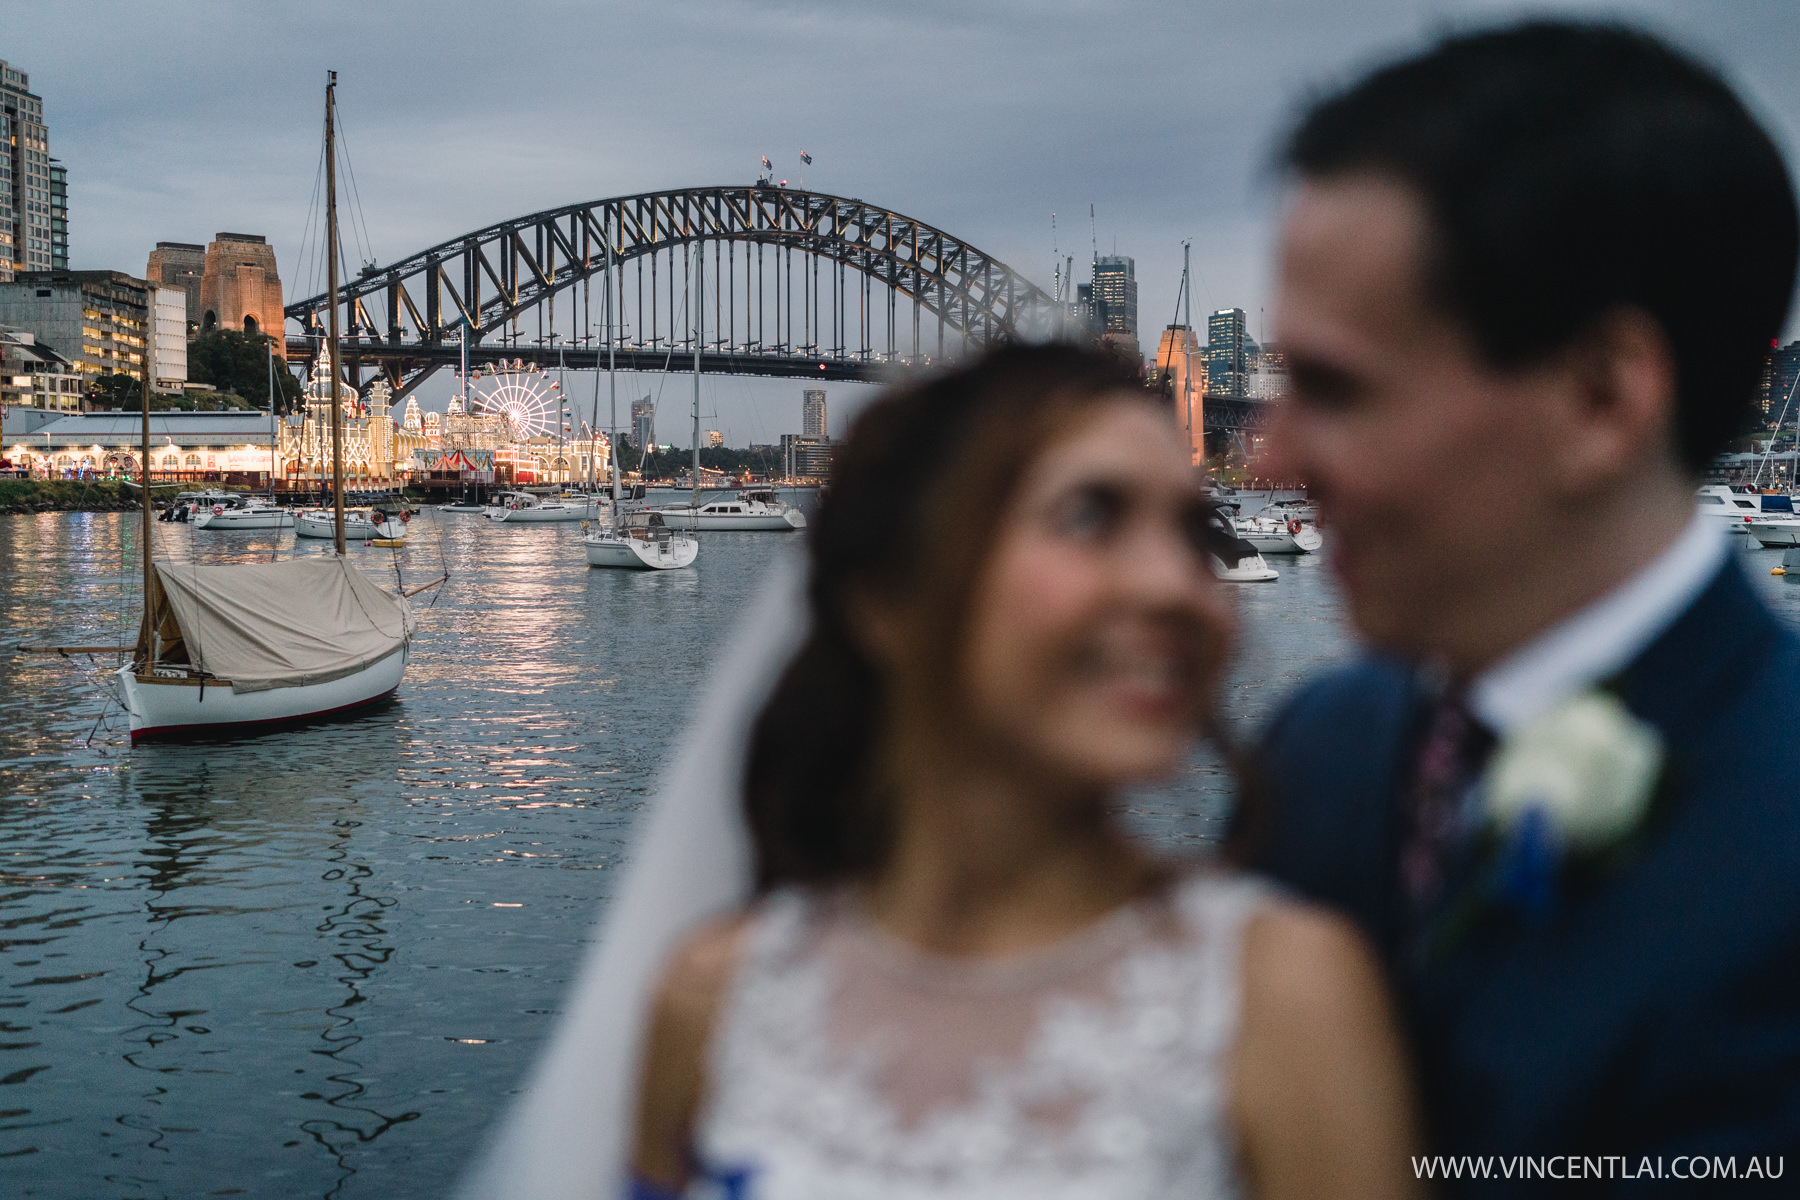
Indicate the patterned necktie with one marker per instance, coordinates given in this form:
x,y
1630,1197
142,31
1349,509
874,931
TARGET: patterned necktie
x,y
1449,760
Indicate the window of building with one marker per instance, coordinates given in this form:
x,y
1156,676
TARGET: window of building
x,y
193,460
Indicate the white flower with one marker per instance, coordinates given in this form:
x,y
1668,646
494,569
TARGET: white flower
x,y
1588,764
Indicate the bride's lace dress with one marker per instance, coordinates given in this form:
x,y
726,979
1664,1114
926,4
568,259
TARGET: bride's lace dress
x,y
847,1065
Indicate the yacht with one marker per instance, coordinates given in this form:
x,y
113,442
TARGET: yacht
x,y
1736,509
758,510
1275,532
1776,524
244,512
525,508
640,541
359,524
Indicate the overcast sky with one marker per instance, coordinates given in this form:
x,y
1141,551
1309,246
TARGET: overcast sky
x,y
178,120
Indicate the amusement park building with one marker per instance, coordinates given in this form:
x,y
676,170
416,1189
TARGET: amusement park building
x,y
232,446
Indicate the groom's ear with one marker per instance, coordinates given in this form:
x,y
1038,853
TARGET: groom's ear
x,y
1616,404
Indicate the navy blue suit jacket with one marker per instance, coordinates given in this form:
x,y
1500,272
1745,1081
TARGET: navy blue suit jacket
x,y
1657,1012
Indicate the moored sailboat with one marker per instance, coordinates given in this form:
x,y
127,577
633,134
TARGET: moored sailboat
x,y
230,649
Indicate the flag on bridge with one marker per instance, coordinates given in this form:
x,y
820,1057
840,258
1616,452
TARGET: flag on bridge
x,y
767,165
806,158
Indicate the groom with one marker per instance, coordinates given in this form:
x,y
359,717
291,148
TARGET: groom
x,y
1528,281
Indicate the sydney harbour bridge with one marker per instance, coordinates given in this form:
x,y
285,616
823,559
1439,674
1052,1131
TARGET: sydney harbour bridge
x,y
791,283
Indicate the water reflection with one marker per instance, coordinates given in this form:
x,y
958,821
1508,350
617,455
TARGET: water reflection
x,y
317,963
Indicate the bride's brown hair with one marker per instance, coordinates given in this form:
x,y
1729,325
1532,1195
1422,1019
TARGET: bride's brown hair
x,y
917,492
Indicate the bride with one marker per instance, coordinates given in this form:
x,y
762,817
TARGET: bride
x,y
956,976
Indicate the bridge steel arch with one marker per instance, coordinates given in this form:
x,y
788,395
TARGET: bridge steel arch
x,y
407,318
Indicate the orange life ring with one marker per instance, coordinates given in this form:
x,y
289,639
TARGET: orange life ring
x,y
406,516
218,510
1293,524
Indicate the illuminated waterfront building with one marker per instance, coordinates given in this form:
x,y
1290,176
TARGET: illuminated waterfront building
x,y
200,447
812,413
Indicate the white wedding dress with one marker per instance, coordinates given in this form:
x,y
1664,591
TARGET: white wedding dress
x,y
847,1065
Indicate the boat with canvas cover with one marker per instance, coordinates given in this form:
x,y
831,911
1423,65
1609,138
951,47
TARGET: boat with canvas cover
x,y
242,647
224,649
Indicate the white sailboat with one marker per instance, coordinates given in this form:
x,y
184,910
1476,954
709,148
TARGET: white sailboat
x,y
523,508
232,649
639,539
250,513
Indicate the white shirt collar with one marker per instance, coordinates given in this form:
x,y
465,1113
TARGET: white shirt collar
x,y
1602,638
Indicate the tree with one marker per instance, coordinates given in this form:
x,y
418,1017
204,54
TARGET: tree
x,y
116,390
237,362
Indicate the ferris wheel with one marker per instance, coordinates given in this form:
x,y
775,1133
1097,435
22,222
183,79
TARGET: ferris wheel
x,y
527,395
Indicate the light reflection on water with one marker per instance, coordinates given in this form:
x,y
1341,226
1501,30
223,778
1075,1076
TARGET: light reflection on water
x,y
317,963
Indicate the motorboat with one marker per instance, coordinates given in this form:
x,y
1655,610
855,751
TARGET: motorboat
x,y
759,510
1279,534
1777,524
251,512
225,649
359,524
1738,508
187,506
525,508
1234,558
640,541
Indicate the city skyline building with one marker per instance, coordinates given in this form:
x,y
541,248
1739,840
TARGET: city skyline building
x,y
1782,369
168,342
26,241
59,216
804,457
812,413
98,320
1114,301
643,424
1230,353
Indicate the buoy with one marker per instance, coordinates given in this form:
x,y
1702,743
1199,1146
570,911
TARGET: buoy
x,y
387,541
1779,571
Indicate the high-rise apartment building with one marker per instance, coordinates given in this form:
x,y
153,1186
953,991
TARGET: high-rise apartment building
x,y
98,320
1228,350
1779,374
805,457
643,424
168,338
1115,300
59,216
715,439
26,242
812,413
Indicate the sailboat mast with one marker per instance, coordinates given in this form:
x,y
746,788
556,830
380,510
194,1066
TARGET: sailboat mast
x,y
331,289
699,313
150,624
1187,348
612,382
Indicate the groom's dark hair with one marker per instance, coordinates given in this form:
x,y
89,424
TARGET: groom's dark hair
x,y
1571,170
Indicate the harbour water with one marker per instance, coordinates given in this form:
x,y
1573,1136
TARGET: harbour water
x,y
318,963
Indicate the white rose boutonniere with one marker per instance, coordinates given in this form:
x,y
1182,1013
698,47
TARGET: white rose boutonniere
x,y
1588,766
1567,788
